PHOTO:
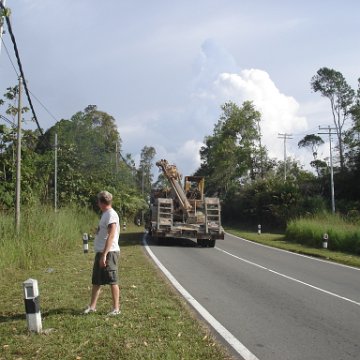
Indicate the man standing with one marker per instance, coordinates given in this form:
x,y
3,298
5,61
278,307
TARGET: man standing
x,y
107,251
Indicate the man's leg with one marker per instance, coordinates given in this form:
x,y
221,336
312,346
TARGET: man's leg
x,y
115,292
94,296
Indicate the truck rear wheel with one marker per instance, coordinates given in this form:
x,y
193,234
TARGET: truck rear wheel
x,y
206,243
211,243
161,240
201,242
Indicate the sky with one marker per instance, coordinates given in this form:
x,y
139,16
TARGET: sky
x,y
163,69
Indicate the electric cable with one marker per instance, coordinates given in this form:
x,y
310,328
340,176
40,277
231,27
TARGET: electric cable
x,y
21,68
43,106
8,120
8,55
33,95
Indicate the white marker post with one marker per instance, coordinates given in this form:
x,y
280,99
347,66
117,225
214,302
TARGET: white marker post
x,y
32,305
259,229
86,243
325,241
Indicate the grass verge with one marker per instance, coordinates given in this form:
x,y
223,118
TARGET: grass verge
x,y
278,241
344,235
155,323
43,234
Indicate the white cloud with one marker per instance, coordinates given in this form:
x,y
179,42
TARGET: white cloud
x,y
280,112
168,133
186,157
189,153
178,134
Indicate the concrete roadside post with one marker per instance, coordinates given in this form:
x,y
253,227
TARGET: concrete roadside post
x,y
86,243
259,229
32,305
325,241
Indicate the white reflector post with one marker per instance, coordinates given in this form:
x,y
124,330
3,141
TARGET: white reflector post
x,y
32,305
86,243
325,241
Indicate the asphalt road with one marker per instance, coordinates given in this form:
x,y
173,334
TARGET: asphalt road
x,y
279,305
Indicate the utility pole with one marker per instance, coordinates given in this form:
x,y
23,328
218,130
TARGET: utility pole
x,y
116,158
142,192
261,152
18,164
285,136
330,132
2,19
56,171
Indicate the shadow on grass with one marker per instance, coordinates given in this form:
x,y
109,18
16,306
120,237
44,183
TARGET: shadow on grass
x,y
131,238
12,317
60,311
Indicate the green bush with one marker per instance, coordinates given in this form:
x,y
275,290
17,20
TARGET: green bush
x,y
343,234
272,202
43,235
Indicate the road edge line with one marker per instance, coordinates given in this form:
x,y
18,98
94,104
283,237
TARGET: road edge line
x,y
295,253
241,349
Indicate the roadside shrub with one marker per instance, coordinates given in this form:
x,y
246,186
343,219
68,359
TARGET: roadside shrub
x,y
43,235
343,234
272,202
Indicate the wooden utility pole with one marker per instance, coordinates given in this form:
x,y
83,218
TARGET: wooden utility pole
x,y
55,172
116,158
142,192
285,137
329,132
18,164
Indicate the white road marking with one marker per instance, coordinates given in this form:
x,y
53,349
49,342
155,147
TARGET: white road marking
x,y
226,334
288,277
294,253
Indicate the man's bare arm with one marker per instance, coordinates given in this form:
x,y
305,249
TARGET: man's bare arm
x,y
108,243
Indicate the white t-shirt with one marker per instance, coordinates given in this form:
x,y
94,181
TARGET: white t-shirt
x,y
108,217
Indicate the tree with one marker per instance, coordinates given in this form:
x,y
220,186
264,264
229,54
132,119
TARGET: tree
x,y
89,147
320,166
233,151
352,136
313,142
294,169
8,151
145,175
332,85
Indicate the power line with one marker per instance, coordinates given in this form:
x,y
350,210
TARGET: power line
x,y
33,95
125,161
7,120
8,55
306,132
20,67
43,106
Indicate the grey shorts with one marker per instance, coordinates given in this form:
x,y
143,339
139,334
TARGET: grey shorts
x,y
109,274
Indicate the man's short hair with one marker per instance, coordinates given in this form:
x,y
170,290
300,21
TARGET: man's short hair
x,y
105,197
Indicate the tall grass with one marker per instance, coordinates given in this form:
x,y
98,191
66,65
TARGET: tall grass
x,y
43,235
343,234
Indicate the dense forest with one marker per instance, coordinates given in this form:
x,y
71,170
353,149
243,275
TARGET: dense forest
x,y
89,159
